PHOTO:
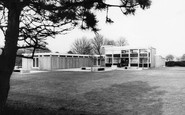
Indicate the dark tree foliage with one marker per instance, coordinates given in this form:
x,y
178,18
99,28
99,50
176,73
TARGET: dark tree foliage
x,y
27,23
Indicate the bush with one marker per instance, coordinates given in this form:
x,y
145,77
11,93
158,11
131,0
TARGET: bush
x,y
175,63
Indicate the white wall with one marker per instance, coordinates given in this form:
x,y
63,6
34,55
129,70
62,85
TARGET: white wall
x,y
160,61
26,63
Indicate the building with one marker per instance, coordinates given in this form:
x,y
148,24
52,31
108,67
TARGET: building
x,y
160,61
54,61
113,56
123,56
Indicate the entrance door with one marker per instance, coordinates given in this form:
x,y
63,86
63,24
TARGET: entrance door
x,y
124,62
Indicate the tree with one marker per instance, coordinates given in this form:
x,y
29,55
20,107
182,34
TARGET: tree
x,y
27,23
121,42
183,57
70,52
109,42
82,46
169,57
97,42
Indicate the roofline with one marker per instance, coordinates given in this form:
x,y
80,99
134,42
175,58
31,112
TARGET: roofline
x,y
125,47
59,54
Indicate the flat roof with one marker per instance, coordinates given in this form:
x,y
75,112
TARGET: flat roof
x,y
125,47
60,54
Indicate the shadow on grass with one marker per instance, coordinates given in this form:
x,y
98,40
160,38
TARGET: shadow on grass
x,y
21,108
133,98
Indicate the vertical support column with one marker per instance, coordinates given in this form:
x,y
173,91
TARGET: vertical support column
x,y
105,60
129,58
97,61
147,61
138,57
51,67
112,57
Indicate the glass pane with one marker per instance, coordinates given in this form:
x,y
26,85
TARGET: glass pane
x,y
37,62
33,62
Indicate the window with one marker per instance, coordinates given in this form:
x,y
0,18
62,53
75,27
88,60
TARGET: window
x,y
35,62
143,55
109,55
116,55
133,51
124,51
143,50
116,60
124,55
109,60
133,60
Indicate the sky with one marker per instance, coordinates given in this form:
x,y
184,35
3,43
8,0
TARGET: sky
x,y
162,26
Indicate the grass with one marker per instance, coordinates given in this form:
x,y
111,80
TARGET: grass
x,y
83,93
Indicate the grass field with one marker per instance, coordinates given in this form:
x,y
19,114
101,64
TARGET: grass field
x,y
147,92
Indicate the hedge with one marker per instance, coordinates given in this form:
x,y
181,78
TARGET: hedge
x,y
175,63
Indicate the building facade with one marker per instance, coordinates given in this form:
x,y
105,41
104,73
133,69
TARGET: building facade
x,y
127,57
131,57
54,61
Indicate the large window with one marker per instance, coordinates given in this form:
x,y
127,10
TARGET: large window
x,y
143,50
134,51
109,60
116,60
133,60
124,51
35,62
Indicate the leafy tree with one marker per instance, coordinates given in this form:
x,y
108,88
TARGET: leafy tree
x,y
27,23
121,42
169,57
82,46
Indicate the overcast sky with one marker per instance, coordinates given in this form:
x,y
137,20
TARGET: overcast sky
x,y
162,26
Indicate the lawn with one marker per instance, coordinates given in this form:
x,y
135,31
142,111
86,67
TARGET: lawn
x,y
130,92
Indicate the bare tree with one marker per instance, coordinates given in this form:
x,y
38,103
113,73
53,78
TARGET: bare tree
x,y
27,23
121,42
97,42
82,46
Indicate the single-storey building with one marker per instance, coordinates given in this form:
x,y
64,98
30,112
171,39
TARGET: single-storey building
x,y
139,57
53,61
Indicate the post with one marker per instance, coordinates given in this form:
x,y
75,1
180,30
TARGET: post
x,y
138,57
112,57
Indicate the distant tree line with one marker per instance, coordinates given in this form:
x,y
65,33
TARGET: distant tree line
x,y
171,61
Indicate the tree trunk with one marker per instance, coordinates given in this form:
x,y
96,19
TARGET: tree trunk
x,y
7,59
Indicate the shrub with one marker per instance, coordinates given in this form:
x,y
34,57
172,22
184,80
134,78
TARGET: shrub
x,y
175,63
